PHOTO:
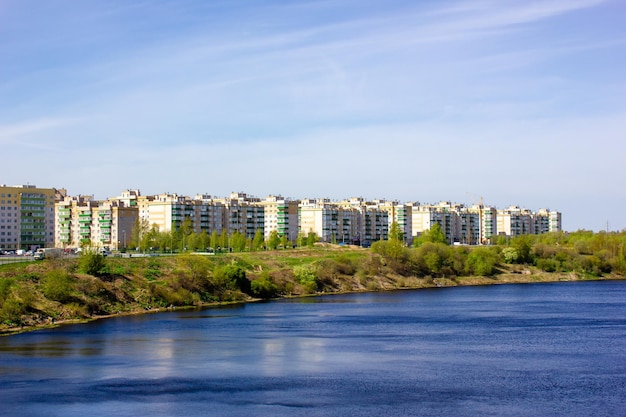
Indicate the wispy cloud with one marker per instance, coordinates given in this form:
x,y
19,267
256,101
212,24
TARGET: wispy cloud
x,y
317,98
15,133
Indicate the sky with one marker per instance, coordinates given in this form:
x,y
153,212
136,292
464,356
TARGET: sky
x,y
515,102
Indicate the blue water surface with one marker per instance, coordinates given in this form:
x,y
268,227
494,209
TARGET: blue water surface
x,y
502,350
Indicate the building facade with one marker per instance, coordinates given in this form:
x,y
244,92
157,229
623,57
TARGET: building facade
x,y
81,221
32,217
27,216
280,215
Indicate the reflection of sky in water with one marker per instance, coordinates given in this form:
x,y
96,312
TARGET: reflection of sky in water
x,y
488,351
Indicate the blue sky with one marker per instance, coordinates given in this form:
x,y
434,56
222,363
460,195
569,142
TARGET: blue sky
x,y
520,102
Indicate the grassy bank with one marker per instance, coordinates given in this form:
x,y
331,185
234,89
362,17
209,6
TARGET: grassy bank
x,y
52,292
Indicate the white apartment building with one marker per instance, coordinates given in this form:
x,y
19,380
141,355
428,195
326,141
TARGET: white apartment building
x,y
353,221
515,221
425,216
79,220
488,224
280,215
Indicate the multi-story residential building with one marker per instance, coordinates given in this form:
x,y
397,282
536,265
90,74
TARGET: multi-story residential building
x,y
73,221
469,226
488,224
460,225
280,215
375,226
401,214
425,216
159,210
210,213
110,222
514,221
243,214
541,222
555,222
319,216
27,216
351,221
82,220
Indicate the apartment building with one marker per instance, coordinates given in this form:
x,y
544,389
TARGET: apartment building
x,y
352,221
514,221
243,214
27,216
424,217
398,213
375,225
469,226
488,224
110,223
81,220
280,215
210,214
545,221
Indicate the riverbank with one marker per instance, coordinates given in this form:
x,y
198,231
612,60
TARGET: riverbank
x,y
388,283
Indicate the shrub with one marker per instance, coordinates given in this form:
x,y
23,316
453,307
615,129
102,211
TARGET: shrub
x,y
11,311
5,288
481,261
92,263
263,287
58,286
231,277
510,255
306,276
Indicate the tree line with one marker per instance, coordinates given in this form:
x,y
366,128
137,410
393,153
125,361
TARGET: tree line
x,y
585,252
146,238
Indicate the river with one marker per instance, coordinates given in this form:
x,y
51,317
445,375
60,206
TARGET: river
x,y
502,350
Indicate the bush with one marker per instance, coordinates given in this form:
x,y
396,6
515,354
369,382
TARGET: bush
x,y
231,277
58,286
5,288
482,262
510,255
263,287
92,263
11,311
307,277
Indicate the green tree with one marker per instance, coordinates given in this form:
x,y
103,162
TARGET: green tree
x,y
301,239
482,262
510,255
204,241
433,262
312,239
258,240
91,262
238,242
434,235
263,287
140,228
231,277
273,241
395,232
306,275
215,239
523,245
284,241
224,240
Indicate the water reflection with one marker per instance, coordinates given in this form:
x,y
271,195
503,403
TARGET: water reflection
x,y
478,351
